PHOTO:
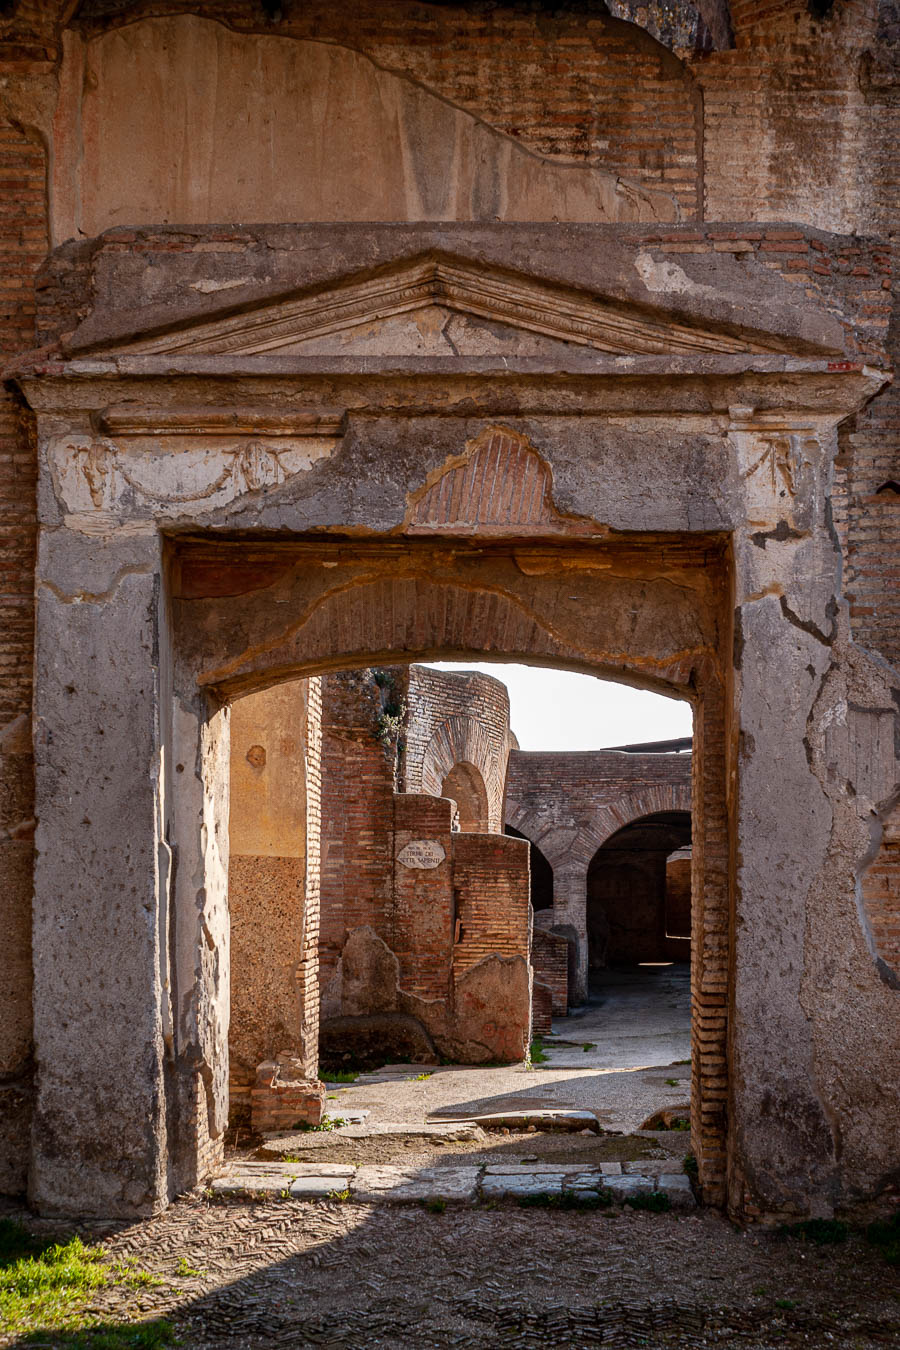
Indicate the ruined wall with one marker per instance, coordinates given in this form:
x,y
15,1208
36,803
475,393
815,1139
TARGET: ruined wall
x,y
23,242
357,812
266,879
411,909
766,102
569,805
550,960
458,717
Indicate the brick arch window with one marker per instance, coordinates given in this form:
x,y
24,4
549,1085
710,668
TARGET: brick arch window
x,y
465,786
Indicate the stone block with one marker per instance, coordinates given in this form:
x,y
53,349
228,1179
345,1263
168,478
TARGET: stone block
x,y
377,1184
507,1186
678,1189
626,1187
317,1188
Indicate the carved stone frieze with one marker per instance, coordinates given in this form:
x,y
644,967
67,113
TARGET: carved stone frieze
x,y
160,462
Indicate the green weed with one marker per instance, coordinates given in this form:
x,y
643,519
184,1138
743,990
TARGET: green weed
x,y
672,1082
436,1206
568,1200
329,1123
825,1232
44,1285
340,1195
420,1077
187,1271
341,1076
885,1235
589,1045
787,1303
654,1202
537,1053
689,1163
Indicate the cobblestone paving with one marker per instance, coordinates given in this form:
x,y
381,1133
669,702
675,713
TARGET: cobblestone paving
x,y
353,1277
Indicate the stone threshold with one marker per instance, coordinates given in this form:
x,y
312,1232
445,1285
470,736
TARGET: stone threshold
x,y
452,1185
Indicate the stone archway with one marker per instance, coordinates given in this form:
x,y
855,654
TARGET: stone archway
x,y
570,849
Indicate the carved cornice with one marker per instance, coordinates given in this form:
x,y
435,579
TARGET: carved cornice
x,y
515,301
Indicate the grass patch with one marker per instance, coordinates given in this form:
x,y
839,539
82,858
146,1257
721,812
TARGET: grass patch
x,y
45,1284
689,1163
420,1077
653,1202
787,1303
537,1054
329,1123
343,1195
435,1206
679,1123
885,1235
589,1045
108,1336
341,1076
671,1082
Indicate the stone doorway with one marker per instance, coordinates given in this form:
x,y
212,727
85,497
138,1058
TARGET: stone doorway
x,y
632,479
465,602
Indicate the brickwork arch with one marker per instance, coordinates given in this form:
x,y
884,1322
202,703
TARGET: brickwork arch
x,y
458,741
576,847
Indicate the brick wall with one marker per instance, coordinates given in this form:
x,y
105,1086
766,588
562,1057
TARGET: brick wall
x,y
568,803
357,814
23,242
550,958
457,717
881,895
420,923
491,885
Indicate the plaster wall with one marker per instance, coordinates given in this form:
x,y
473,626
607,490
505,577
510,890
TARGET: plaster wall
x,y
266,880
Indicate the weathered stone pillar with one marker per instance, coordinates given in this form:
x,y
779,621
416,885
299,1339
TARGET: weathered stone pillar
x,y
201,956
807,790
101,1015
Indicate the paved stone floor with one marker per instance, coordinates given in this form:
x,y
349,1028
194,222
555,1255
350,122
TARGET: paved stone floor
x,y
637,1017
574,1183
636,1028
358,1276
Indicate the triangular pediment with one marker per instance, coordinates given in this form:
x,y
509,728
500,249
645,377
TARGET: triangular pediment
x,y
440,307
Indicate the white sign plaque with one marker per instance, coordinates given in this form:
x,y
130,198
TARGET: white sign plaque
x,y
421,853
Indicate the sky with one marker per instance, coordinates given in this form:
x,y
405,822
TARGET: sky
x,y
559,710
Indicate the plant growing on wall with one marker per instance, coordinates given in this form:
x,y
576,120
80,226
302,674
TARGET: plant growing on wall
x,y
390,717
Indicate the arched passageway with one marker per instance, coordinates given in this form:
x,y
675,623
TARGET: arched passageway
x,y
465,786
627,893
